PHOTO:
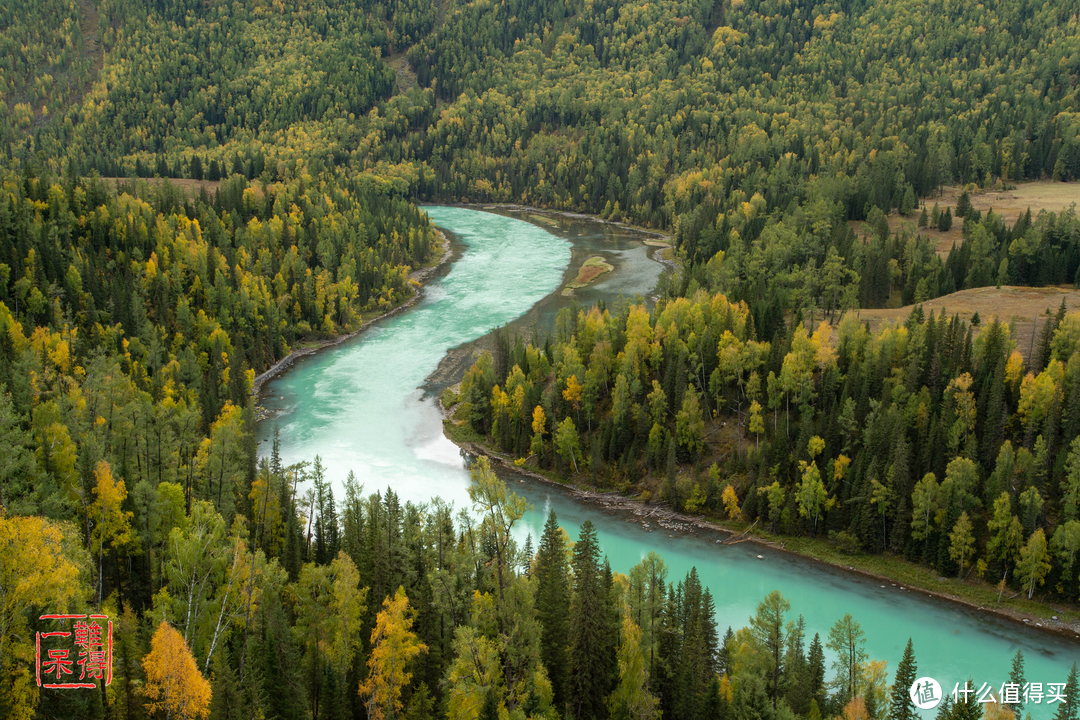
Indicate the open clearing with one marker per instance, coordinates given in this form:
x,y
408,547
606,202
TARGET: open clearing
x,y
1021,307
185,184
1009,204
190,188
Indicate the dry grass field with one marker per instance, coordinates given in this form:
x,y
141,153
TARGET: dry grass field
x,y
1021,307
188,187
1010,204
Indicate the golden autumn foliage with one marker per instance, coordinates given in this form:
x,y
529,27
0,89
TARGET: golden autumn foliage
x,y
174,686
856,709
109,522
731,503
36,569
393,646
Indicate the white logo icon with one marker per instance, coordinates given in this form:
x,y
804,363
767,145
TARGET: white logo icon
x,y
925,693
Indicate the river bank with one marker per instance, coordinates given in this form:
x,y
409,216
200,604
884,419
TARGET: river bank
x,y
514,207
418,277
664,252
908,577
363,408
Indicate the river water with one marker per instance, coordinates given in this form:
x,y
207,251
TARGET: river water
x,y
360,407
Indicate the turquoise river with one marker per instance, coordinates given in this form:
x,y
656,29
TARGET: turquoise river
x,y
359,407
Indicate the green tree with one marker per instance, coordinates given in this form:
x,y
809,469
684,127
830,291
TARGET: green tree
x,y
109,522
1006,533
944,223
768,627
815,658
500,509
552,574
1070,709
1016,676
900,705
811,494
567,443
1065,544
926,502
631,699
962,541
963,205
1070,501
846,640
592,663
1034,562
689,424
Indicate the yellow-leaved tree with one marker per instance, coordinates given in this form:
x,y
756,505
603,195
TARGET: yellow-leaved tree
x,y
174,686
393,646
39,566
109,522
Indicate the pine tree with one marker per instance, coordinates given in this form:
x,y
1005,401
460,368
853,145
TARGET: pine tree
x,y
900,705
553,605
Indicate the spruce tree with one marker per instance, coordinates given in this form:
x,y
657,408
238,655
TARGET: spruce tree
x,y
963,205
944,223
768,627
816,660
592,649
796,668
1070,709
907,202
226,699
553,605
751,699
900,705
1016,676
723,657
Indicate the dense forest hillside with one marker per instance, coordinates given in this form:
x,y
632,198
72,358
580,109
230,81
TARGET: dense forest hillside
x,y
133,318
